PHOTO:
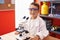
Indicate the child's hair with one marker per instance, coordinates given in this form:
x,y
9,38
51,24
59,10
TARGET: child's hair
x,y
35,4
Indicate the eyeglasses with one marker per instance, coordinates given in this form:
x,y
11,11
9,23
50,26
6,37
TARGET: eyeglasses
x,y
33,9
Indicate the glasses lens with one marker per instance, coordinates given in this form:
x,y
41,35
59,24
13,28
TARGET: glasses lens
x,y
33,8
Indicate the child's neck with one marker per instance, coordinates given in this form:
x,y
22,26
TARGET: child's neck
x,y
33,17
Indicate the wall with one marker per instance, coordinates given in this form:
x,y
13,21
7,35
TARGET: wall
x,y
5,5
21,9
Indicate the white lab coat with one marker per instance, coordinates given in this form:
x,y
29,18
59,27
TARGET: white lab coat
x,y
37,27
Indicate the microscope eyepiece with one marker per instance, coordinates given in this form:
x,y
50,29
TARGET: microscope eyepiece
x,y
24,17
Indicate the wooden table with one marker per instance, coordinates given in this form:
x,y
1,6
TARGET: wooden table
x,y
11,36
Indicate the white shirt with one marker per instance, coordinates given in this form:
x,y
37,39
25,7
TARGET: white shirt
x,y
37,27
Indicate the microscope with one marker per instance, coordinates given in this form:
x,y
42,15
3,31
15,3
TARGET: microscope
x,y
1,38
23,32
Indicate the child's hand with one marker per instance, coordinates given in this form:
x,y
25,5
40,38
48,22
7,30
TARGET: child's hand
x,y
35,38
16,33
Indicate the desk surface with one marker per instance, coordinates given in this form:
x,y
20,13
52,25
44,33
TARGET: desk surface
x,y
11,36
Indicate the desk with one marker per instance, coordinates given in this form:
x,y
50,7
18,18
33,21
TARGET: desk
x,y
11,36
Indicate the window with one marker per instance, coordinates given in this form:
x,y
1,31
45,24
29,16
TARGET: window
x,y
1,1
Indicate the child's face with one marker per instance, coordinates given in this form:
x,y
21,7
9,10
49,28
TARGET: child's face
x,y
34,11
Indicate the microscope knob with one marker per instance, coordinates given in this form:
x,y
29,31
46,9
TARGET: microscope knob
x,y
27,38
26,32
0,37
20,35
